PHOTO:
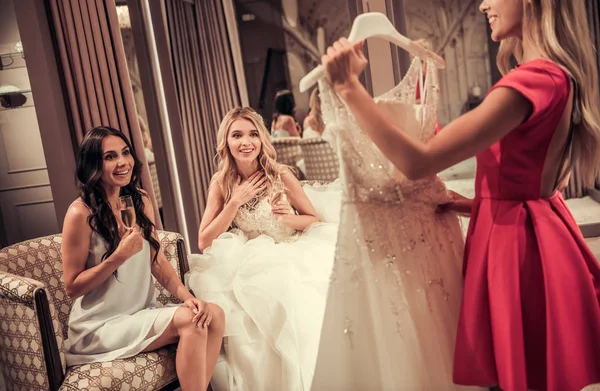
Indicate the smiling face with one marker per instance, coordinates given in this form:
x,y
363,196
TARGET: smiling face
x,y
505,18
243,141
117,162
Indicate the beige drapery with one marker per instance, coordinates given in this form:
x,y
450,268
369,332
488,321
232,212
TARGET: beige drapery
x,y
205,81
593,10
94,67
575,188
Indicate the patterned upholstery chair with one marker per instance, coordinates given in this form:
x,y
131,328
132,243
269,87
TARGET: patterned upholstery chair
x,y
34,310
289,152
320,160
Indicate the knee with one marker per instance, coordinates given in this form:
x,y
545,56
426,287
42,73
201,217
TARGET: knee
x,y
183,321
217,324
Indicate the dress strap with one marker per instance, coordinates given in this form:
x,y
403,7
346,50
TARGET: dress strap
x,y
566,164
423,86
84,204
421,83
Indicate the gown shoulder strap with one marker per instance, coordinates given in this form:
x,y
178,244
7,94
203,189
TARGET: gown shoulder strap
x,y
84,204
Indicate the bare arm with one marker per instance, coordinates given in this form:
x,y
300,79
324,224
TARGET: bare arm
x,y
217,216
288,123
502,111
299,201
75,249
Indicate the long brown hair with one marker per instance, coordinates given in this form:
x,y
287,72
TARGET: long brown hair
x,y
227,172
560,31
89,181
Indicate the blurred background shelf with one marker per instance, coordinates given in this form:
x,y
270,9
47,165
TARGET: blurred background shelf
x,y
12,60
16,100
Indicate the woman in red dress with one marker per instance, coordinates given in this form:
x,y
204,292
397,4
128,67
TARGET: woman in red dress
x,y
530,316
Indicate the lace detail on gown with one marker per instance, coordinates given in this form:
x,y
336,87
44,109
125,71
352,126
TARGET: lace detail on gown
x,y
255,218
396,285
369,176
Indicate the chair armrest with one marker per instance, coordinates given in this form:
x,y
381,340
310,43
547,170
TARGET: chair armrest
x,y
17,289
184,266
173,247
27,335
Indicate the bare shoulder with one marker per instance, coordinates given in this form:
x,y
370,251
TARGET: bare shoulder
x,y
76,218
285,172
504,106
78,210
216,184
217,179
287,177
287,120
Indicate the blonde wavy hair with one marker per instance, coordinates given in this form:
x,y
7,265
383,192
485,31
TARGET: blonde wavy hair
x,y
316,112
560,31
227,172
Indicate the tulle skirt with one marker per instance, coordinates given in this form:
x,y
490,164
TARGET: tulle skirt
x,y
273,295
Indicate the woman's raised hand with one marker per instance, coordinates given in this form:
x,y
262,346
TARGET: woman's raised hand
x,y
244,191
343,62
131,243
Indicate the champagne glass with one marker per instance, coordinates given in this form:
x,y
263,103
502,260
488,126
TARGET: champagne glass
x,y
278,192
127,211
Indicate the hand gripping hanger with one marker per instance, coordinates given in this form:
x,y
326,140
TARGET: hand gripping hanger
x,y
371,25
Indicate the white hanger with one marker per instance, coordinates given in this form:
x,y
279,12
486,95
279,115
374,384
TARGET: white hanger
x,y
370,25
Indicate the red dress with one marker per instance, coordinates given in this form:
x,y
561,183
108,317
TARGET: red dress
x,y
530,316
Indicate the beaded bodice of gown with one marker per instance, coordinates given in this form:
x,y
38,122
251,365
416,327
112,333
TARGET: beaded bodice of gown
x,y
367,175
255,218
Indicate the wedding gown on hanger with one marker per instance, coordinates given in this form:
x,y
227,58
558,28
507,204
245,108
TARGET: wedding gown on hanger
x,y
395,290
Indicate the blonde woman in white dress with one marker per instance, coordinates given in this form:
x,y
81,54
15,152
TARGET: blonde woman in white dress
x,y
267,260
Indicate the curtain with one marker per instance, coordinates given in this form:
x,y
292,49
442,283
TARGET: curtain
x,y
205,81
92,59
575,188
593,10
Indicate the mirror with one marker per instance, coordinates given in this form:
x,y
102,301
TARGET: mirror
x,y
281,40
